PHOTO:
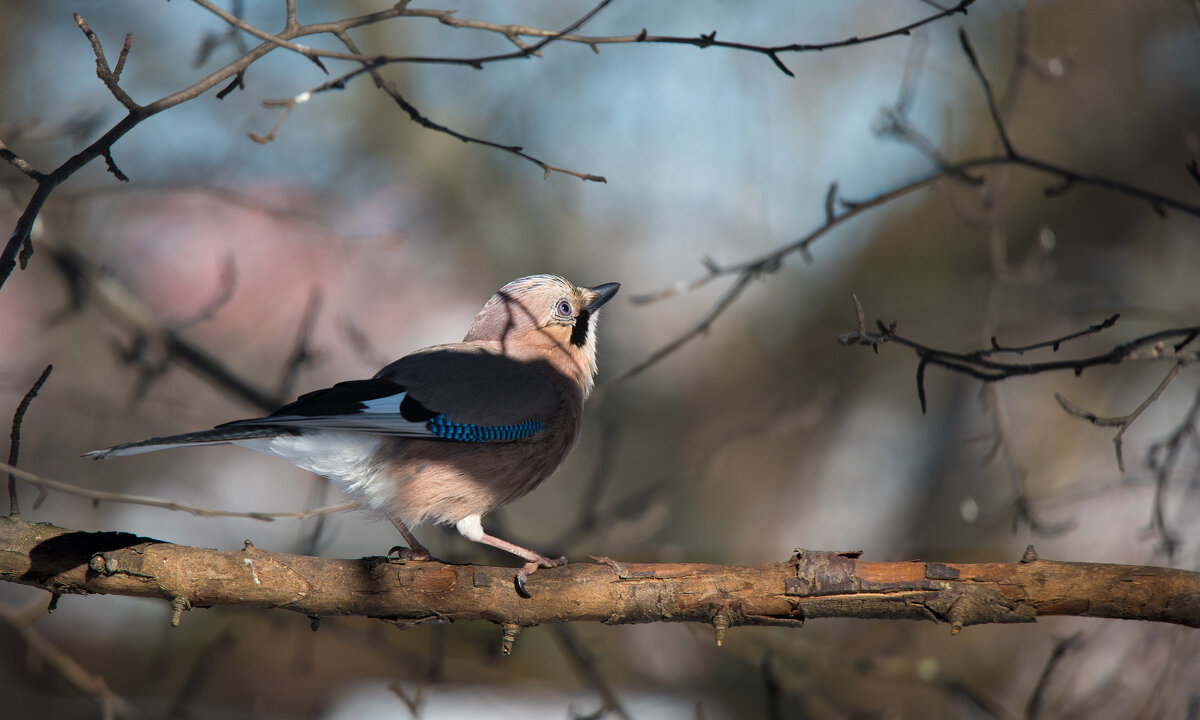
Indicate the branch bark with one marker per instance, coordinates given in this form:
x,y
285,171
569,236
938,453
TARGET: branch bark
x,y
809,585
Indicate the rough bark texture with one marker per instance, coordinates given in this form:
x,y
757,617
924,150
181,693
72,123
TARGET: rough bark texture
x,y
809,585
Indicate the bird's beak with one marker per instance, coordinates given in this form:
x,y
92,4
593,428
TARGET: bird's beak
x,y
604,293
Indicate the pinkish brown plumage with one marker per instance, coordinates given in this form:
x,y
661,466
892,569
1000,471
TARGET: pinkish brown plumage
x,y
449,432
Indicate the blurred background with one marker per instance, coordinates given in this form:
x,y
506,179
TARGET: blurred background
x,y
757,437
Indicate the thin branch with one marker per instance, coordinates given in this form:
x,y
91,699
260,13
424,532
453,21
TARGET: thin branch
x,y
1152,347
219,299
965,41
108,77
302,352
64,666
696,330
371,67
19,248
19,162
772,260
993,196
115,301
1033,709
213,40
14,446
1056,342
585,666
1124,421
104,496
514,32
1161,458
204,660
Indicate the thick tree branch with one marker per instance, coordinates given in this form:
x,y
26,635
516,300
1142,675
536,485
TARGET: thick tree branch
x,y
809,585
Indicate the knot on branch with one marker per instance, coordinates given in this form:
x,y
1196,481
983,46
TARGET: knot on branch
x,y
963,605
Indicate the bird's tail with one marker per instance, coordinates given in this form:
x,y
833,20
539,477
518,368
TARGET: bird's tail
x,y
216,436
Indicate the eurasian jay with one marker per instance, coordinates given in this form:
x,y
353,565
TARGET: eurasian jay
x,y
450,432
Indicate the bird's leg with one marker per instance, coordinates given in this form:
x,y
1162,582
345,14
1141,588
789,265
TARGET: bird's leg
x,y
471,528
415,550
534,560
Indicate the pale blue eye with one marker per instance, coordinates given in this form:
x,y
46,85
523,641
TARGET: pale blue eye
x,y
563,309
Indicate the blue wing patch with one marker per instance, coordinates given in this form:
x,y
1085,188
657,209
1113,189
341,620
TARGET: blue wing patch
x,y
443,428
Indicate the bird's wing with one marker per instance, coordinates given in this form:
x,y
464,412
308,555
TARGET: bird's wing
x,y
453,392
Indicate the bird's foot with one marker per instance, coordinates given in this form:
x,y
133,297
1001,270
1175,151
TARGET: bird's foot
x,y
406,553
528,568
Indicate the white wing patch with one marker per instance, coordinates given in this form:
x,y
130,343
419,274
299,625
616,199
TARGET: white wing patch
x,y
379,415
387,405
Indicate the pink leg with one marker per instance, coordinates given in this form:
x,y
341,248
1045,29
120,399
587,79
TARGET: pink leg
x,y
415,550
533,559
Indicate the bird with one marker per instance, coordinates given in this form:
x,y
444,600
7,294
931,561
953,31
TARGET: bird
x,y
449,432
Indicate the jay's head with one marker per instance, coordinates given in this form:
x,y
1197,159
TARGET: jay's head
x,y
545,317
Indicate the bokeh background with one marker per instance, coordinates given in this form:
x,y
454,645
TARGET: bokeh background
x,y
759,436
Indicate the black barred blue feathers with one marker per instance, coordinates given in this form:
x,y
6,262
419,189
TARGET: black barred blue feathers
x,y
443,428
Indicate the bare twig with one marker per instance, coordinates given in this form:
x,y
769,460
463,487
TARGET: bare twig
x,y
66,667
302,351
1152,347
412,702
204,661
115,301
371,64
19,163
1161,458
1033,709
772,260
696,330
987,91
993,196
222,296
14,447
514,32
20,245
1056,342
110,79
1123,421
585,666
104,496
372,67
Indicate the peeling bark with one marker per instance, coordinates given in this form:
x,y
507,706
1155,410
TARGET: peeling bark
x,y
809,585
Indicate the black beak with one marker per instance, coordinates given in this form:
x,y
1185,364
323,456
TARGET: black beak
x,y
604,293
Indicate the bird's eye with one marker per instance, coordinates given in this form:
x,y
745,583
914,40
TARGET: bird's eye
x,y
563,310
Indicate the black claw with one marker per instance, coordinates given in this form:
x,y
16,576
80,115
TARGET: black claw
x,y
519,583
404,554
